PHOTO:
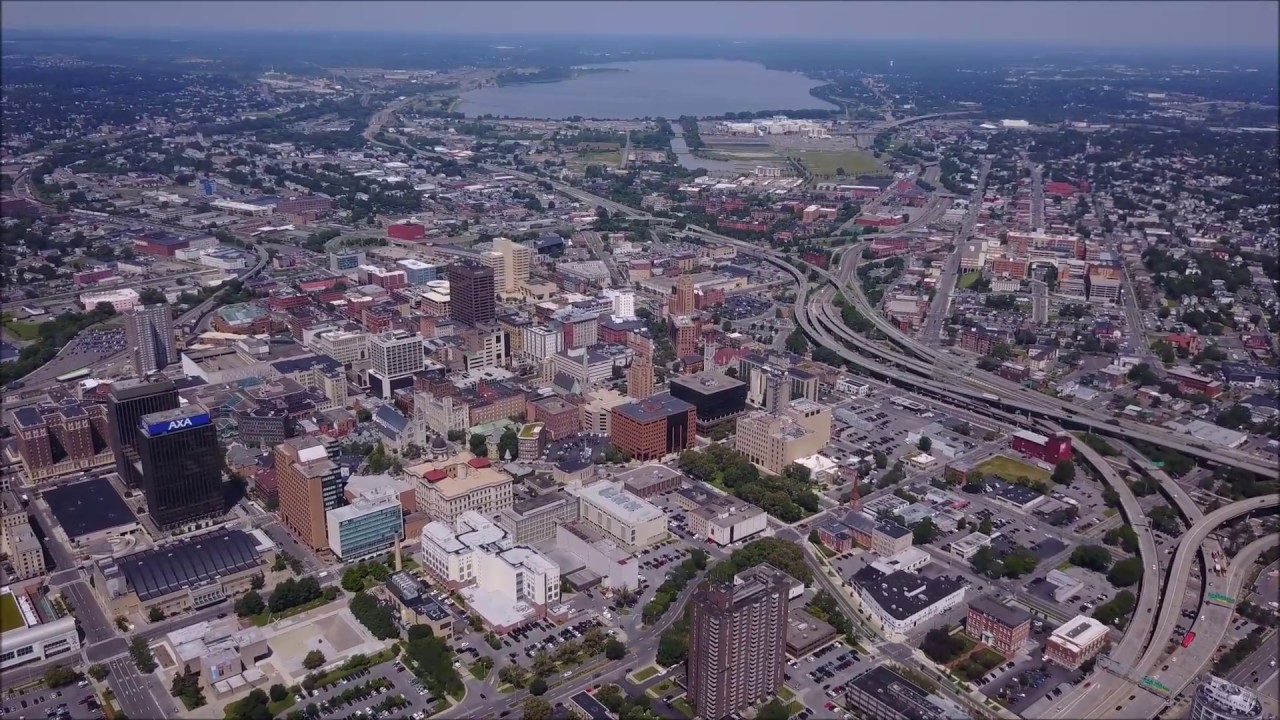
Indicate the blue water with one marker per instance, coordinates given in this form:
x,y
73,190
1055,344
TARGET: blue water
x,y
651,88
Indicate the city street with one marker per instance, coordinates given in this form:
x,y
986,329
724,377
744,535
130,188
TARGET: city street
x,y
951,267
138,696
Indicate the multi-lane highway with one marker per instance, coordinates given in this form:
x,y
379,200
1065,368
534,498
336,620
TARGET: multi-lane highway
x,y
1110,691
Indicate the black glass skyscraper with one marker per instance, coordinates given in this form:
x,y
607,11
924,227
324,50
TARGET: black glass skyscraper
x,y
128,401
179,465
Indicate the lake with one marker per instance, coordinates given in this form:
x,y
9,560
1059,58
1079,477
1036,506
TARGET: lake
x,y
651,88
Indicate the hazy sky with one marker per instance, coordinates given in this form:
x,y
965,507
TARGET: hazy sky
x,y
1229,23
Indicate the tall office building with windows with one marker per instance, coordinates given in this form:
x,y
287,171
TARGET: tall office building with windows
x,y
148,330
180,465
737,648
128,401
471,294
309,484
393,359
516,259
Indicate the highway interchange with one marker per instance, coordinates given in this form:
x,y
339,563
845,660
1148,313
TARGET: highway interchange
x,y
909,364
949,380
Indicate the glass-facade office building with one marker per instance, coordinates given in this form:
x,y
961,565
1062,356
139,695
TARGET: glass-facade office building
x,y
371,524
179,465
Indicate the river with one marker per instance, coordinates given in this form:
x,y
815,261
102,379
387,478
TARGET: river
x,y
651,88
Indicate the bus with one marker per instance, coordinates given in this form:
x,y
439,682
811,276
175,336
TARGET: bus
x,y
73,375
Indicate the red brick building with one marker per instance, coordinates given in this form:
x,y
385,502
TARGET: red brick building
x,y
1049,448
653,427
1002,627
560,417
407,231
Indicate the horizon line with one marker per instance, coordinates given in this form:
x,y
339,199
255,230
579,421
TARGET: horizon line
x,y
161,33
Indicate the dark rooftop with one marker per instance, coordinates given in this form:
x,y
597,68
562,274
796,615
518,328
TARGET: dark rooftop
x,y
903,594
1004,614
292,365
892,529
888,687
654,408
88,507
189,563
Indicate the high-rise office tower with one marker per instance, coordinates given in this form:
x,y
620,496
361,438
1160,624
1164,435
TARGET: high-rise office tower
x,y
309,485
180,465
681,302
516,259
128,401
640,379
1218,699
737,648
148,330
394,357
471,294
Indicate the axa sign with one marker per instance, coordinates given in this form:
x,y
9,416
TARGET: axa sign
x,y
182,423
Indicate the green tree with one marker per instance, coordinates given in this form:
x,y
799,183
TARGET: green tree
x,y
314,659
924,532
99,672
277,692
250,604
538,686
614,649
1092,557
509,445
535,708
1064,472
797,343
479,445
155,614
925,443
1125,573
60,676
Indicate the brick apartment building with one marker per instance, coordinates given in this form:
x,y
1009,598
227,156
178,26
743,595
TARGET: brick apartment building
x,y
1002,627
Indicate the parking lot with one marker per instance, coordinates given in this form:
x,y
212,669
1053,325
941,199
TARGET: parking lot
x,y
77,703
819,678
1020,686
372,687
745,307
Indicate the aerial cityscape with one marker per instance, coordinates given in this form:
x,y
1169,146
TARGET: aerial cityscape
x,y
640,361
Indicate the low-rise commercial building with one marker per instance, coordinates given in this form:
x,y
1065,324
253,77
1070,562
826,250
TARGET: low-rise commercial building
x,y
725,520
633,522
188,574
599,555
902,600
1075,641
650,480
882,693
535,520
969,545
30,637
